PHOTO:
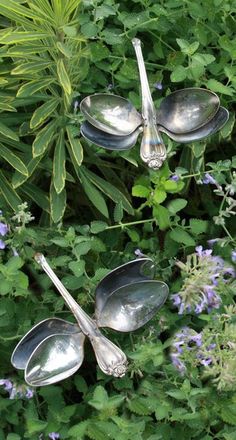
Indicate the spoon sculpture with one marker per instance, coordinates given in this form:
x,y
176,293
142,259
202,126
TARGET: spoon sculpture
x,y
186,115
126,299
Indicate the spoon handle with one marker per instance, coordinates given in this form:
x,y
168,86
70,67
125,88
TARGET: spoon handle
x,y
153,150
110,358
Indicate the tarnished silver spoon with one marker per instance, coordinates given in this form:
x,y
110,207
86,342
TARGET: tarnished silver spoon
x,y
181,113
125,300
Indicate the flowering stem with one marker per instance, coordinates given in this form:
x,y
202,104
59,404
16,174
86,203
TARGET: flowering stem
x,y
123,225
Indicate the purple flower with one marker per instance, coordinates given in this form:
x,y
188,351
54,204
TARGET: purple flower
x,y
158,85
2,244
206,362
76,105
229,271
178,363
54,435
3,229
233,256
29,393
174,177
212,241
139,253
7,384
211,347
208,179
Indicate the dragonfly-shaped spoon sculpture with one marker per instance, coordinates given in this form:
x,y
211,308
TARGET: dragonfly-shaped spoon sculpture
x,y
186,115
126,299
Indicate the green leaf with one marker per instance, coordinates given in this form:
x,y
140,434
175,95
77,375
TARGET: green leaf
x,y
140,191
13,160
31,68
170,185
59,169
75,145
110,190
44,138
32,87
181,236
77,267
43,112
63,77
79,430
139,406
218,87
100,398
8,193
18,37
176,205
98,226
228,127
64,49
162,216
6,131
36,194
178,74
186,47
198,226
94,195
57,204
203,58
13,437
159,195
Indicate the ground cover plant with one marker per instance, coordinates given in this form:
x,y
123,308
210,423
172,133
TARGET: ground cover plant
x,y
89,211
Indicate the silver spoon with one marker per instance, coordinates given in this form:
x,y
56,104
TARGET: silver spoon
x,y
110,358
214,125
180,113
41,331
125,300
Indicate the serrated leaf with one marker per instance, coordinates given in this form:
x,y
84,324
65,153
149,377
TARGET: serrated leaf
x,y
6,131
228,414
186,47
13,160
43,112
181,236
176,205
138,406
57,204
59,168
63,77
95,433
79,430
178,74
159,195
77,267
97,226
198,226
100,398
43,138
140,191
162,216
75,145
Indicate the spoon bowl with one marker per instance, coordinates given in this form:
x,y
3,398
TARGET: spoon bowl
x,y
133,305
214,125
55,358
187,110
108,141
36,335
111,114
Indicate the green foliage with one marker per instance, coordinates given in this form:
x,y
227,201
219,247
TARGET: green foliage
x,y
93,210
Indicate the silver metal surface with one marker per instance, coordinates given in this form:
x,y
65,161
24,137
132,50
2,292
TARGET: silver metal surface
x,y
152,150
111,113
36,335
55,358
108,141
110,358
185,116
132,305
187,109
214,125
125,300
